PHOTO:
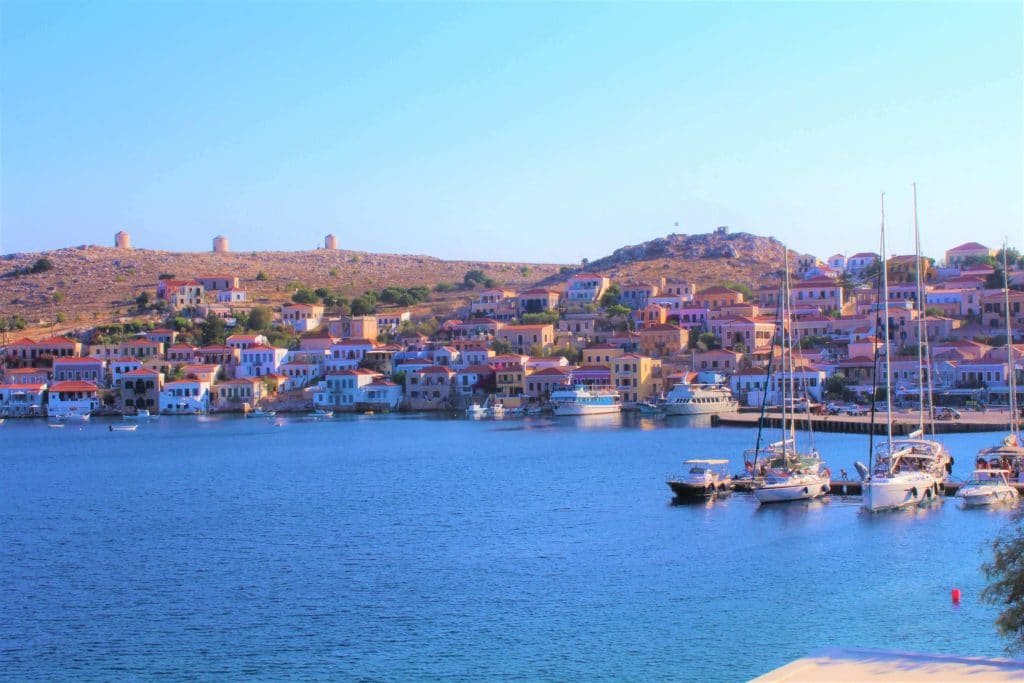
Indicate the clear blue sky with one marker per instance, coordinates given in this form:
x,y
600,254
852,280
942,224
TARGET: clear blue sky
x,y
526,131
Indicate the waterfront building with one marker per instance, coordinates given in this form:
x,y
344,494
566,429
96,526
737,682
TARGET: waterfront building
x,y
21,399
139,389
541,383
429,388
475,380
636,377
237,394
347,354
72,398
186,397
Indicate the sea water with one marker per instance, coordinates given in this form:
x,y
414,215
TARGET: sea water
x,y
407,548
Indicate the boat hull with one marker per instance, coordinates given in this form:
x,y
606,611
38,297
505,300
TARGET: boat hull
x,y
586,409
684,490
807,489
991,496
699,408
900,493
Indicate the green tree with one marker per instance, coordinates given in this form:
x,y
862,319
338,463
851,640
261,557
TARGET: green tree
x,y
142,300
611,297
1005,574
303,295
363,305
41,266
708,341
261,276
473,278
501,347
542,318
745,290
260,318
836,387
214,330
58,297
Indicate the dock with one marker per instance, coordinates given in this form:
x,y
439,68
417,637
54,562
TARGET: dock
x,y
842,664
903,423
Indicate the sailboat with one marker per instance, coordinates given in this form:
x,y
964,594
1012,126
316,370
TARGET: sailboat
x,y
906,472
789,474
1010,452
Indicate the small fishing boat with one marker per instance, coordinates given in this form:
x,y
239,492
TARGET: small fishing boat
x,y
122,428
320,413
650,408
988,487
140,414
55,425
704,479
261,413
476,410
496,410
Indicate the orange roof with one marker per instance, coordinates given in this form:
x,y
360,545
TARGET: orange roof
x,y
24,387
73,385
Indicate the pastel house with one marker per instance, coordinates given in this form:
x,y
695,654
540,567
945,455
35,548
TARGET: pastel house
x,y
70,398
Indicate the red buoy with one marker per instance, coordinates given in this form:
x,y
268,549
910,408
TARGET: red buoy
x,y
955,594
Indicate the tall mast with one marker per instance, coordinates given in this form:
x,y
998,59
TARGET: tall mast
x,y
885,325
921,332
792,387
1012,383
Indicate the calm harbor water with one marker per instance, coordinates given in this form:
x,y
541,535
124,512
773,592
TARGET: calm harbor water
x,y
405,547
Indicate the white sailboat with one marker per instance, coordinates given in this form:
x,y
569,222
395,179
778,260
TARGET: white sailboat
x,y
907,472
1009,453
789,474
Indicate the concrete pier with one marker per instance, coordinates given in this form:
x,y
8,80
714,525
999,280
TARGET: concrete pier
x,y
903,423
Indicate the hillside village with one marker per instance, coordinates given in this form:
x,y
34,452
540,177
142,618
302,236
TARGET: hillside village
x,y
200,342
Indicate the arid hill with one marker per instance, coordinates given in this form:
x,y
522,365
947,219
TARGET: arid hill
x,y
90,284
706,259
98,283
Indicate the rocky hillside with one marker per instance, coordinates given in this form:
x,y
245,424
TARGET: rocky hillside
x,y
90,284
706,259
93,283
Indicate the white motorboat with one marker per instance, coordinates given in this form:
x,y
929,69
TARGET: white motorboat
x,y
988,487
476,410
699,399
581,400
320,413
122,428
703,479
140,414
261,413
496,410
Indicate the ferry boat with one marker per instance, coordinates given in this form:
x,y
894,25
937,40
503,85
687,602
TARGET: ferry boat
x,y
582,400
699,399
704,479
